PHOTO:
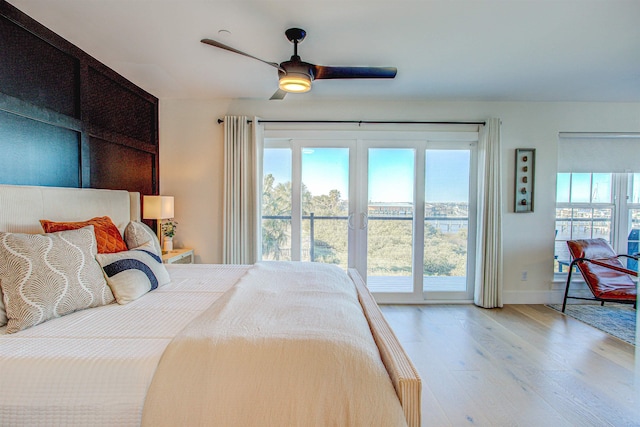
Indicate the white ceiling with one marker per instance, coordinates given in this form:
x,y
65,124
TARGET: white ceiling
x,y
509,50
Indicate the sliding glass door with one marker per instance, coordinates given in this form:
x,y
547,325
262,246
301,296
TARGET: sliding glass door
x,y
401,212
419,230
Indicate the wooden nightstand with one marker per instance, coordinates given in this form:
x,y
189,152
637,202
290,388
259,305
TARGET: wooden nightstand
x,y
179,256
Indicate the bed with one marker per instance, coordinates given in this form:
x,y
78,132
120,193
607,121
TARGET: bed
x,y
269,344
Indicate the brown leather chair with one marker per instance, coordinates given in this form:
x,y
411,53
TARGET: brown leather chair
x,y
607,278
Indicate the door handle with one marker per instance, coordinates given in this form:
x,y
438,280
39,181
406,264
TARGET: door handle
x,y
364,221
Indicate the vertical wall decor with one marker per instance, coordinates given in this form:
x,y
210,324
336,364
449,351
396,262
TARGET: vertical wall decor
x,y
525,177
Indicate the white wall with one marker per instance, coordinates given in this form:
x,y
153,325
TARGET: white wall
x,y
191,150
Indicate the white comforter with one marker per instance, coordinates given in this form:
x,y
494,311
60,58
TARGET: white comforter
x,y
278,349
93,367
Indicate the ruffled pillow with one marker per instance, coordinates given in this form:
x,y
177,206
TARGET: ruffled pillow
x,y
107,234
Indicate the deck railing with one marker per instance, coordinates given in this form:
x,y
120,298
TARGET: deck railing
x,y
462,223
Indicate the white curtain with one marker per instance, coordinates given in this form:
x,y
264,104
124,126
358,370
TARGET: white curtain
x,y
242,164
488,287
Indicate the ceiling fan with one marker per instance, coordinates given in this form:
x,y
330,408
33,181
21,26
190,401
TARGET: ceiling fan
x,y
296,75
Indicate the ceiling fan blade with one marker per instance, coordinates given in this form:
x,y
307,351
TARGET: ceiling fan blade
x,y
328,72
230,49
278,95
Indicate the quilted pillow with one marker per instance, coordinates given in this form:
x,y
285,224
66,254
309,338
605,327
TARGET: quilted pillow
x,y
133,273
49,275
138,233
107,234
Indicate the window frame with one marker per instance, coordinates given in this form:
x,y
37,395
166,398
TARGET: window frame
x,y
297,139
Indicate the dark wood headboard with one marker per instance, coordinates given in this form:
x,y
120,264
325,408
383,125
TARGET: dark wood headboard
x,y
66,119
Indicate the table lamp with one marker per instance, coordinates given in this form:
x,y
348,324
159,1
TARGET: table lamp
x,y
158,208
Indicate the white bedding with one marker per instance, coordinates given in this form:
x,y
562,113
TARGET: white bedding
x,y
288,345
94,367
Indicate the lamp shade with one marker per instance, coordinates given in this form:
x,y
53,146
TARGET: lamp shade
x,y
157,207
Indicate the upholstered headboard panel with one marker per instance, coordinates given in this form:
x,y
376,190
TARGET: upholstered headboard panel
x,y
22,207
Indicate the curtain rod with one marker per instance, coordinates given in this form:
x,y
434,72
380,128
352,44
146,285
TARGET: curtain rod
x,y
369,122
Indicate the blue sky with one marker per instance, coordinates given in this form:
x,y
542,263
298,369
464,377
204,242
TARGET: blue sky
x,y
447,176
326,169
390,172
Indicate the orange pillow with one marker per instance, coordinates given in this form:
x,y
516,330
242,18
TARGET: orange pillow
x,y
107,234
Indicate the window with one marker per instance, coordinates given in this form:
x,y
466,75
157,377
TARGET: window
x,y
598,192
597,205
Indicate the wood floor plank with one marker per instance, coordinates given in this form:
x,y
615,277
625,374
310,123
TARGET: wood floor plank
x,y
457,406
595,369
589,403
458,353
505,408
528,367
518,366
598,341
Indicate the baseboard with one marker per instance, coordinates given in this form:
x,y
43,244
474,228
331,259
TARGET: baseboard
x,y
533,297
553,296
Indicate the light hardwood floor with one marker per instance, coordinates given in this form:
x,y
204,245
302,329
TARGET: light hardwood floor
x,y
522,365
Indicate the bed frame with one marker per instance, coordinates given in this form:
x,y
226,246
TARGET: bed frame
x,y
22,207
403,374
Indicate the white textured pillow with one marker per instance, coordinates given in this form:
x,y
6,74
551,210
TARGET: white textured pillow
x,y
49,275
138,233
133,273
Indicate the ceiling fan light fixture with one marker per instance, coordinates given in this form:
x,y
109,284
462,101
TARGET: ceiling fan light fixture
x,y
296,76
295,82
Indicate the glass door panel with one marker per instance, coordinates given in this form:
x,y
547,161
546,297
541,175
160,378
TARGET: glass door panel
x,y
389,219
325,205
276,204
446,220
